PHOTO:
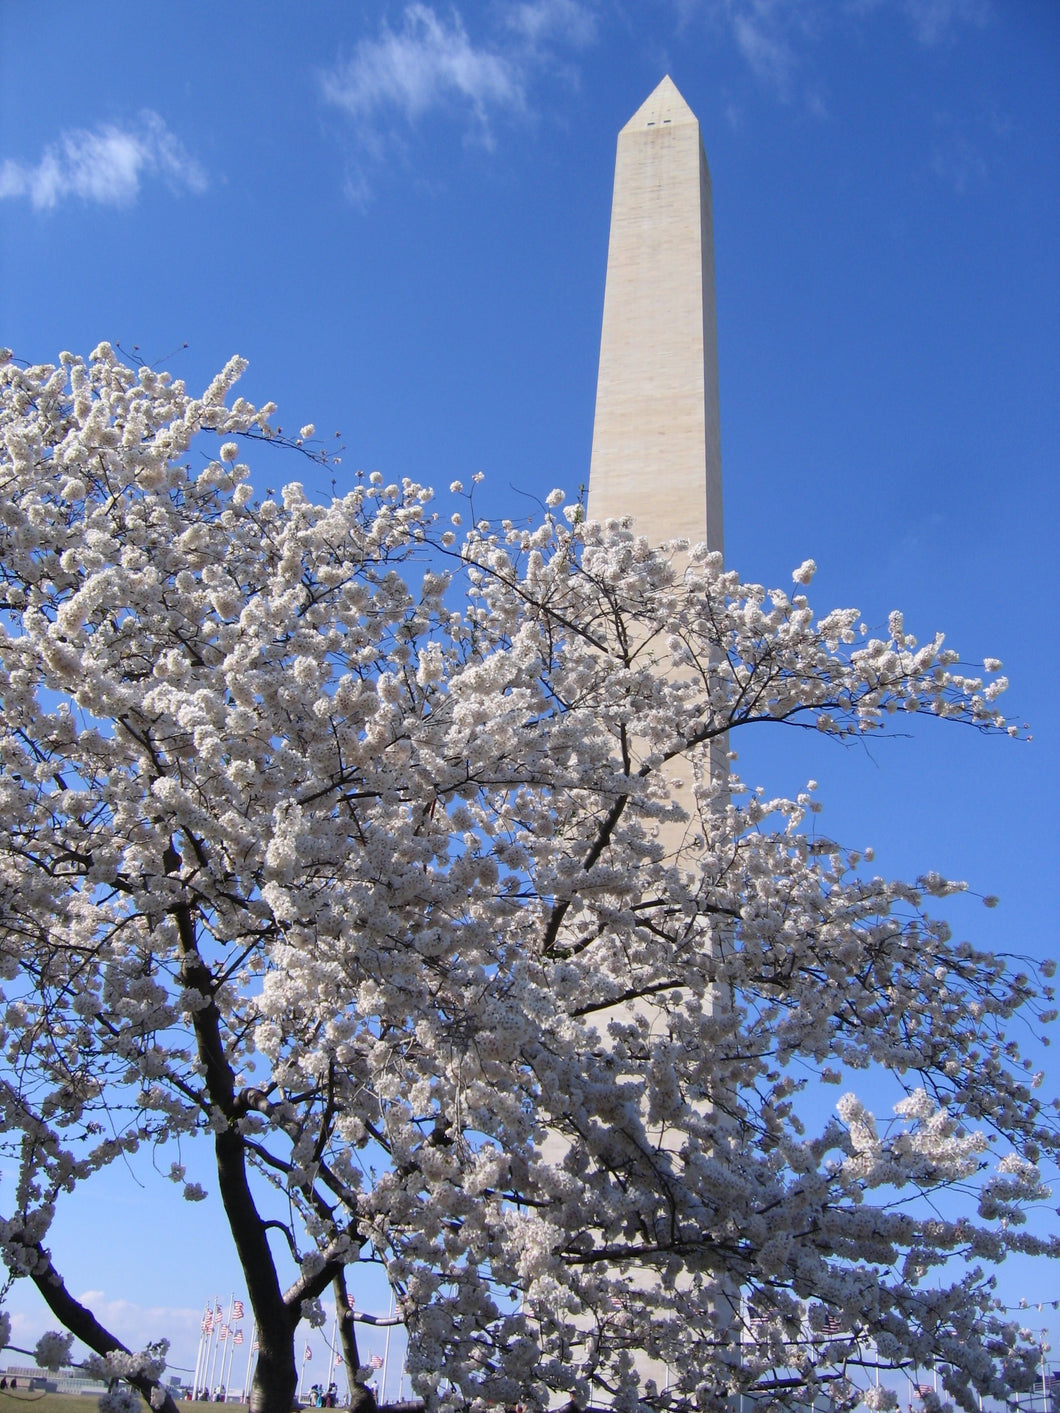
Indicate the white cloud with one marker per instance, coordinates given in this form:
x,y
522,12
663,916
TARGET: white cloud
x,y
137,1325
760,30
132,1323
934,20
931,20
541,20
769,33
105,165
958,152
429,63
772,35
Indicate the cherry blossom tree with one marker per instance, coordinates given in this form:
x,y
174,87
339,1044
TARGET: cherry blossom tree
x,y
401,868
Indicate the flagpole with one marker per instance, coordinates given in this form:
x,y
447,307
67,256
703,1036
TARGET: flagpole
x,y
334,1337
254,1365
301,1372
217,1373
237,1319
250,1356
204,1372
228,1351
218,1346
218,1317
226,1355
386,1351
204,1327
226,1378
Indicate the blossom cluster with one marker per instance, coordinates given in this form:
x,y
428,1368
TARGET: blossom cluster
x,y
410,875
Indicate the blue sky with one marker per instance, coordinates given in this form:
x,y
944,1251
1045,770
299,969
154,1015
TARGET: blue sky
x,y
399,214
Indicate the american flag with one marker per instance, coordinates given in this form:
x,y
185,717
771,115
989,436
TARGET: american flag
x,y
376,1361
308,1354
225,1332
237,1338
237,1310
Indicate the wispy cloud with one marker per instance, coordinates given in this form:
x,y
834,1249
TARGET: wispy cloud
x,y
105,165
762,30
135,1324
429,63
774,36
959,150
138,1324
541,21
934,21
771,35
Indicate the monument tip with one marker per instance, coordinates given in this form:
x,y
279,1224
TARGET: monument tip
x,y
663,105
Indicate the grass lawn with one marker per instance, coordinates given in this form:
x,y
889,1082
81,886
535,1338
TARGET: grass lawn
x,y
11,1399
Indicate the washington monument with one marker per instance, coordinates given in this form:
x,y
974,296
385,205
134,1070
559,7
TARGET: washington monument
x,y
656,445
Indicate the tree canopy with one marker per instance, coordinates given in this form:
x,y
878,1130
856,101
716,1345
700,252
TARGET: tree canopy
x,y
401,865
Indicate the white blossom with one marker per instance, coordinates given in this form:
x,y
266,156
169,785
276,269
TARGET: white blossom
x,y
120,1400
53,1350
403,869
805,572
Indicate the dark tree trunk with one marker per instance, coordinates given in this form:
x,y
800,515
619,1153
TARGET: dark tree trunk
x,y
362,1399
275,1380
81,1323
276,1377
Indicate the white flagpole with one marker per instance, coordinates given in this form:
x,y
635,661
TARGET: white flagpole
x,y
217,1374
215,1339
301,1372
204,1372
334,1337
228,1351
386,1352
250,1355
226,1359
198,1354
217,1344
232,1343
226,1378
203,1339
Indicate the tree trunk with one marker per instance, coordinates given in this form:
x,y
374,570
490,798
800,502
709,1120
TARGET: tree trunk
x,y
81,1323
275,1380
276,1377
362,1399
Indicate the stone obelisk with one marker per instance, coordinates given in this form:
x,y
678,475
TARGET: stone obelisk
x,y
656,440
656,445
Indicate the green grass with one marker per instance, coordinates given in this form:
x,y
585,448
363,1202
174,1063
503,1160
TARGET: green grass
x,y
79,1402
43,1402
